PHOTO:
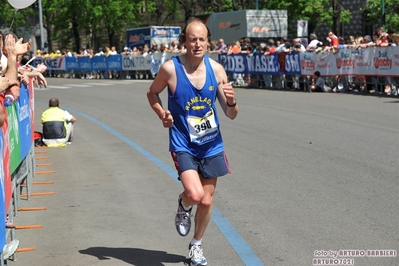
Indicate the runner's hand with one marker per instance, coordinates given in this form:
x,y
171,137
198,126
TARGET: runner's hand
x,y
167,119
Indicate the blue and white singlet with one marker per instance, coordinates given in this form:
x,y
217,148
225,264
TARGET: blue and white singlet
x,y
196,124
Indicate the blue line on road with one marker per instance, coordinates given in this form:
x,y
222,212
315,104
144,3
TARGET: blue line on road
x,y
233,237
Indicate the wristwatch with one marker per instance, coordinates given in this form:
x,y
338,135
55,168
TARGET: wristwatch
x,y
232,105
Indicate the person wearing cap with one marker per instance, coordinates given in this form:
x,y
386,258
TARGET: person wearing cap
x,y
125,51
57,125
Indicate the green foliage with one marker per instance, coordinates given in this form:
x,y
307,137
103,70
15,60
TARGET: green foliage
x,y
18,18
103,22
374,13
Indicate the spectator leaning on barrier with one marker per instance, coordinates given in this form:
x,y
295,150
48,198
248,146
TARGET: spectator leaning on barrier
x,y
222,48
12,48
313,43
57,125
334,42
282,44
27,71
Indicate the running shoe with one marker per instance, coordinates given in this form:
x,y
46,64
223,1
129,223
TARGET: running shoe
x,y
183,219
10,248
196,256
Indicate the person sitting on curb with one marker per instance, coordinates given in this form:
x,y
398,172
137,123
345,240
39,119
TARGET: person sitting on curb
x,y
319,83
57,125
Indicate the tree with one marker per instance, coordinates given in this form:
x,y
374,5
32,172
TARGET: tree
x,y
328,12
18,20
373,11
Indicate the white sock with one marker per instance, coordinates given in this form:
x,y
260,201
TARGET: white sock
x,y
186,208
196,242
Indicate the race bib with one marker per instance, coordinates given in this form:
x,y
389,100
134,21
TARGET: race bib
x,y
203,129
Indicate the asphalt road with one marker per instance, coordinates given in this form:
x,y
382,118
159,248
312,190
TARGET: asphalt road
x,y
311,174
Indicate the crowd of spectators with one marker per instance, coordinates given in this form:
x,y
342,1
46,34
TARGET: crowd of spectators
x,y
330,43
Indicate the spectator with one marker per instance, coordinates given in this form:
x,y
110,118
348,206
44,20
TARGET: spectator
x,y
319,48
383,40
334,42
237,77
281,47
39,53
395,39
298,46
107,51
100,52
26,71
313,43
267,51
113,50
390,33
57,125
367,41
11,49
126,53
212,48
173,47
341,43
351,42
318,83
222,46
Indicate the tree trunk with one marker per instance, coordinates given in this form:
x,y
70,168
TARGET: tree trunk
x,y
76,36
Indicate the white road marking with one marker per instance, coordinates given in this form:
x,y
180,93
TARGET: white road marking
x,y
58,87
79,85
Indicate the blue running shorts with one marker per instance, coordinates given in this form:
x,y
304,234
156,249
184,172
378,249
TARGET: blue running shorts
x,y
210,167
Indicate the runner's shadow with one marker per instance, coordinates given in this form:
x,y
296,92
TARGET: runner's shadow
x,y
134,256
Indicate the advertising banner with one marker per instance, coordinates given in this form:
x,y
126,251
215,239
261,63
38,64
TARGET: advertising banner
x,y
376,61
24,121
114,62
3,212
57,63
6,162
13,137
98,63
84,63
136,62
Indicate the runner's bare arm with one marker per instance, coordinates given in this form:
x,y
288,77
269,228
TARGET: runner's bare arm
x,y
165,77
226,94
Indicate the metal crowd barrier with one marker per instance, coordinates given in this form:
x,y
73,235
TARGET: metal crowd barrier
x,y
21,178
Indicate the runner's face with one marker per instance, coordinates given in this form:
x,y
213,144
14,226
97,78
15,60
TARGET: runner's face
x,y
196,39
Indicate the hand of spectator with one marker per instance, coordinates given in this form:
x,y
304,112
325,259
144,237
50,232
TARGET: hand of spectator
x,y
22,48
9,47
21,70
41,80
25,80
14,89
4,83
41,68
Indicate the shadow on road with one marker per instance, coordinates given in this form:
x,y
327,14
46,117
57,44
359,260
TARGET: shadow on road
x,y
134,256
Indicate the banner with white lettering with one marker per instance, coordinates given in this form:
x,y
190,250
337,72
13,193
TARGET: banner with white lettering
x,y
376,61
